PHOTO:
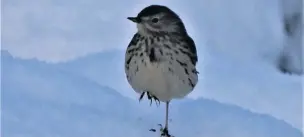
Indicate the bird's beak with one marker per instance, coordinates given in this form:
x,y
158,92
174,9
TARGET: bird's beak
x,y
134,19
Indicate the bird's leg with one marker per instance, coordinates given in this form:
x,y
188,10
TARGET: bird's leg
x,y
167,114
165,132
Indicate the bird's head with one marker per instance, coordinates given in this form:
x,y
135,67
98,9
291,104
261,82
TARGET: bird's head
x,y
158,20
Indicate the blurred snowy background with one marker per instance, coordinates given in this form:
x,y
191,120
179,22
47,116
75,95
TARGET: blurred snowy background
x,y
62,71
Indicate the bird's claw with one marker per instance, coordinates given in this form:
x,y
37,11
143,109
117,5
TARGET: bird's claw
x,y
150,97
156,100
141,96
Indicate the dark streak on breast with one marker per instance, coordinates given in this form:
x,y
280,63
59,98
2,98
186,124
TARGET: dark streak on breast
x,y
170,70
146,42
158,39
186,71
152,55
160,51
136,69
152,41
181,63
176,52
167,46
129,59
192,58
192,85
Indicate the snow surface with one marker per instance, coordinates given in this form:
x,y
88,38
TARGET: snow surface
x,y
40,99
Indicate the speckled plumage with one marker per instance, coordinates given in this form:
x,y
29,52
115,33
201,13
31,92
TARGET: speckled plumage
x,y
161,57
163,66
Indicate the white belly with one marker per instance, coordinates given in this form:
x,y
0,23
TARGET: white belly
x,y
161,82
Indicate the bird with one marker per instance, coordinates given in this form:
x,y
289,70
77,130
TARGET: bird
x,y
160,60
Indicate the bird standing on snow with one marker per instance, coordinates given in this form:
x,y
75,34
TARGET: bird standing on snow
x,y
161,57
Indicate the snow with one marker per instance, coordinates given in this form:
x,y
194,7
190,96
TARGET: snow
x,y
41,99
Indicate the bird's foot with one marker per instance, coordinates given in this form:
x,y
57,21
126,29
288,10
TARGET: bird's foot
x,y
164,131
150,97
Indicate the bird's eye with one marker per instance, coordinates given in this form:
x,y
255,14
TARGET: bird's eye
x,y
155,20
